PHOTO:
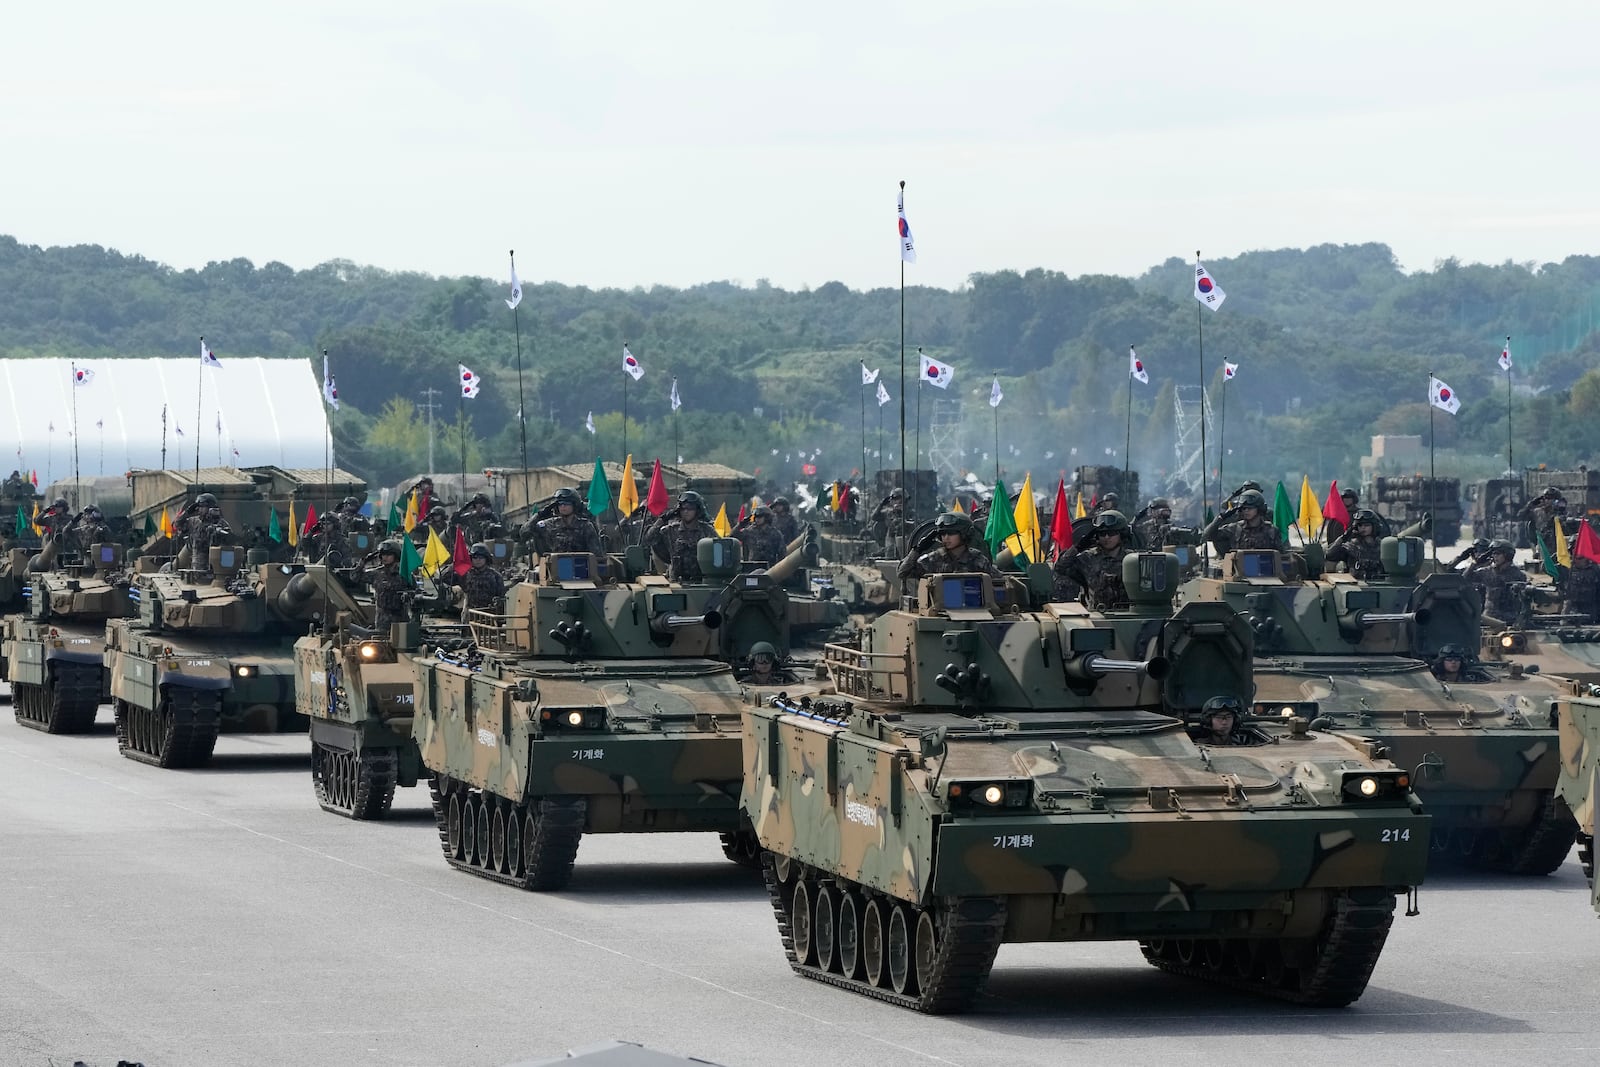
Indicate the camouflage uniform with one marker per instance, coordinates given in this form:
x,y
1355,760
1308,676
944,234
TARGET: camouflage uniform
x,y
1153,532
201,533
483,586
1500,588
86,532
573,533
788,526
1362,556
677,541
1237,536
964,560
390,596
1098,574
763,543
1582,593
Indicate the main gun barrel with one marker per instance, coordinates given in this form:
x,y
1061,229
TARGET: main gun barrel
x,y
1092,665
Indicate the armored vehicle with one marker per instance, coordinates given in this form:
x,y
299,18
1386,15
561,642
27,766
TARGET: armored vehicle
x,y
356,686
985,774
212,646
1578,716
593,706
55,653
1356,655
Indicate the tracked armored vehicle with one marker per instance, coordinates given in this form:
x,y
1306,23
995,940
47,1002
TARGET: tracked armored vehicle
x,y
984,774
1356,655
593,707
55,653
210,647
1578,716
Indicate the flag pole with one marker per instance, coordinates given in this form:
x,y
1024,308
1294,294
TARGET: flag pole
x,y
864,464
1509,466
900,532
199,391
461,431
996,442
625,377
677,447
163,437
76,487
1127,437
911,496
1433,484
522,409
1200,338
1222,431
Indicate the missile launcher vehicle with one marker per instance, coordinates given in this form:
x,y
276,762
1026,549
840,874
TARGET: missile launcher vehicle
x,y
988,772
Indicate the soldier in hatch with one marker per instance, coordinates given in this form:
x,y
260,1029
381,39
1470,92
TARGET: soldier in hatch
x,y
759,538
1359,548
475,518
1333,528
783,519
1249,528
1502,582
1097,570
952,556
391,591
1581,593
484,588
1219,722
89,529
764,668
888,518
1455,665
675,541
569,529
203,525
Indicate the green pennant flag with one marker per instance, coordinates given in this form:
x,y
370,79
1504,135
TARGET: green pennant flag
x,y
1551,567
150,526
397,519
1001,523
22,523
410,562
1282,511
599,491
1210,515
275,531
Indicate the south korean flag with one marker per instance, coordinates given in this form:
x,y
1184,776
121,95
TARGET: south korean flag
x,y
469,382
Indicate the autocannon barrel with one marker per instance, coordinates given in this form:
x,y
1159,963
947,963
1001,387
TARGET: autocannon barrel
x,y
1092,665
1365,619
666,624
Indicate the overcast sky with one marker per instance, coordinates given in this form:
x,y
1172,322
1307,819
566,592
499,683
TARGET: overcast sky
x,y
650,142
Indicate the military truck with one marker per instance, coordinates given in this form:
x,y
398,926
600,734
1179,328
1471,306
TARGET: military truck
x,y
986,773
1356,655
1578,718
356,686
1095,481
54,654
1405,499
1493,505
603,700
212,647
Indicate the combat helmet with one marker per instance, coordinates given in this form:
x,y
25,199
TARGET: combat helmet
x,y
690,498
763,648
1160,503
205,500
1366,515
568,495
390,548
1252,498
480,549
952,522
1110,521
762,512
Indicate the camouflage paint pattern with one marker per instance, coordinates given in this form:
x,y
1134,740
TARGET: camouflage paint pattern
x,y
1578,715
1111,821
359,694
67,609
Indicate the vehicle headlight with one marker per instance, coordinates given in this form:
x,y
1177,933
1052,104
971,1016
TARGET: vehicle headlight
x,y
370,650
245,670
569,719
1008,794
1361,786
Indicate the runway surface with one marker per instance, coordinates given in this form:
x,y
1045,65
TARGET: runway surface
x,y
218,917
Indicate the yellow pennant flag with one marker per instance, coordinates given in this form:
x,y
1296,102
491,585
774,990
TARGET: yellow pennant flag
x,y
628,494
39,530
294,525
1078,511
409,521
835,504
1310,520
955,506
167,529
721,525
435,555
1026,517
1563,553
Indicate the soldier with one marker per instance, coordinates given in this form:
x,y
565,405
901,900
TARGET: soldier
x,y
391,590
1108,502
888,518
15,484
953,556
474,518
90,529
438,520
482,584
1359,548
783,520
569,529
764,668
1582,591
1455,665
1502,582
1096,571
1249,531
1333,528
1219,722
675,541
203,526
1156,524
1540,513
760,538
56,519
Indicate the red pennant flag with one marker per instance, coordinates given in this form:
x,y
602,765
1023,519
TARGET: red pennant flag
x,y
741,515
656,500
424,505
461,561
34,478
1061,520
311,519
1334,508
1588,545
1094,501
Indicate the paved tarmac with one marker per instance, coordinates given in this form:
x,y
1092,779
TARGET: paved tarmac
x,y
218,917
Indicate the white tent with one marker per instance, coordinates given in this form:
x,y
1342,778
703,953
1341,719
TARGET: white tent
x,y
251,412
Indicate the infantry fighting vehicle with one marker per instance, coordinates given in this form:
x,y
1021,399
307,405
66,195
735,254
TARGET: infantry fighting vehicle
x,y
1578,717
55,653
593,706
356,686
1355,655
18,543
212,646
985,774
